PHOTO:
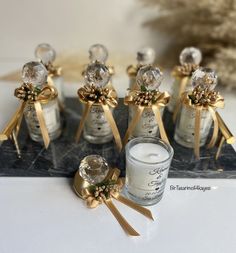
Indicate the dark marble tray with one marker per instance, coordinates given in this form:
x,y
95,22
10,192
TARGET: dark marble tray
x,y
63,155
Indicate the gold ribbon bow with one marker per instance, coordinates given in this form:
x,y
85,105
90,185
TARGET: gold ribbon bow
x,y
29,94
105,97
104,192
184,73
147,99
203,99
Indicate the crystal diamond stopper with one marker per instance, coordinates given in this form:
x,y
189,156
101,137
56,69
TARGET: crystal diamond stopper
x,y
206,77
150,77
34,73
146,55
98,52
190,55
93,168
45,53
97,74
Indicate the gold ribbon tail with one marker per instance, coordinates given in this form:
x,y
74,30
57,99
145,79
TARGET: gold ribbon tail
x,y
197,132
230,139
176,110
144,211
183,84
215,129
133,123
157,113
15,121
122,221
86,111
222,140
42,124
113,125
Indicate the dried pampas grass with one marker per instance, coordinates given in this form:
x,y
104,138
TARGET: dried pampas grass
x,y
207,24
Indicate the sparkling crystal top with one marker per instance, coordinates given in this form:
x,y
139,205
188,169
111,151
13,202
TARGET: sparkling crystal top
x,y
205,77
150,77
97,74
190,55
146,55
45,53
93,168
98,52
34,73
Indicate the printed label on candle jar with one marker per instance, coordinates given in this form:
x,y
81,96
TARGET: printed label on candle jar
x,y
96,122
147,125
146,184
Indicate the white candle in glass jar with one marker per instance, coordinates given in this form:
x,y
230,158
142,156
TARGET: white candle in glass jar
x,y
147,165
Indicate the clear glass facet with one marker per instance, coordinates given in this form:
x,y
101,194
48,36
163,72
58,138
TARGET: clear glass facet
x,y
34,73
97,74
205,77
146,56
190,55
98,52
150,77
45,53
94,169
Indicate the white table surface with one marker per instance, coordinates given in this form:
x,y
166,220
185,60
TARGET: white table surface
x,y
44,215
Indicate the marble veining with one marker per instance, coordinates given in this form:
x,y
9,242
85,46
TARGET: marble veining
x,y
64,155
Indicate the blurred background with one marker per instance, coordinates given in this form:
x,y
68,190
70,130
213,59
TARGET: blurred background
x,y
72,26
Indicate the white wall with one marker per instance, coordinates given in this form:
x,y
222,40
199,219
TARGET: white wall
x,y
72,25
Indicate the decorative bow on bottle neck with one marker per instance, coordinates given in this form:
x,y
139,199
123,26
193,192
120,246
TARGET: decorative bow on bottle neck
x,y
90,95
104,192
147,99
203,99
29,94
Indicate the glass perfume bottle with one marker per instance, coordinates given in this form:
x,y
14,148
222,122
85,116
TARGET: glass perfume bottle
x,y
189,56
93,169
97,129
35,73
148,78
185,125
47,55
145,56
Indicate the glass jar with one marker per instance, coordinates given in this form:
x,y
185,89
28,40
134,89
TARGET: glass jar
x,y
58,82
147,124
97,129
175,93
147,165
185,125
52,120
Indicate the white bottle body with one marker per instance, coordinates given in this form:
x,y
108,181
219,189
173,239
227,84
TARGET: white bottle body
x,y
58,82
97,129
51,116
147,124
185,127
